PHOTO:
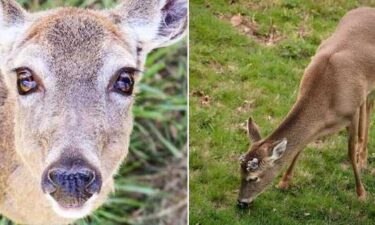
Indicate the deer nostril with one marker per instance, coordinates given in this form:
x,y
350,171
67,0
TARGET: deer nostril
x,y
52,176
48,186
87,176
94,185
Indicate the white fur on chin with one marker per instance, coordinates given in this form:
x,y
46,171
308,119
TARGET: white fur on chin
x,y
74,213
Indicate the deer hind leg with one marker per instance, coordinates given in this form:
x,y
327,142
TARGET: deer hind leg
x,y
352,145
284,182
363,149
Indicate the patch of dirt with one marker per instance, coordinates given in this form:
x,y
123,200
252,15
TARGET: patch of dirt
x,y
216,66
246,106
250,28
205,100
232,68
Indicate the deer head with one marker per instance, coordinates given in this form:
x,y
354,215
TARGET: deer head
x,y
70,76
258,165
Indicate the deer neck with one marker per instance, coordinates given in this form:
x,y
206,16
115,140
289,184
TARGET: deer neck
x,y
303,124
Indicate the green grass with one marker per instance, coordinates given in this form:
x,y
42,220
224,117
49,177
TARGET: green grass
x,y
151,185
233,76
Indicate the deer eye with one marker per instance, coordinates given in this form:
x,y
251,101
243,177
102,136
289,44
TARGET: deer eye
x,y
252,164
26,83
125,82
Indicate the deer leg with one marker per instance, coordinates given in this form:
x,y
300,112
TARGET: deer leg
x,y
284,182
363,152
353,144
362,130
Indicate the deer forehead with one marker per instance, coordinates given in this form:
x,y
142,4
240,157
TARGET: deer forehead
x,y
82,25
81,36
70,45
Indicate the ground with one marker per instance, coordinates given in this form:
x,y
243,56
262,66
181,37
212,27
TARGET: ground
x,y
247,58
151,185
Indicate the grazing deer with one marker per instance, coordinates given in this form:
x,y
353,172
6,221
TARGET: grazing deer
x,y
66,96
335,92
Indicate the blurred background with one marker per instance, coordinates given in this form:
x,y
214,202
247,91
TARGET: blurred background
x,y
151,184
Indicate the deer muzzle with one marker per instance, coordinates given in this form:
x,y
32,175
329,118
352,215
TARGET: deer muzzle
x,y
71,182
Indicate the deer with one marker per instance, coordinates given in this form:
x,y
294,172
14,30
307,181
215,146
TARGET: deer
x,y
336,92
68,80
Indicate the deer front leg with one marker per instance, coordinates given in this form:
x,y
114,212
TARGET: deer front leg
x,y
362,130
353,144
284,182
363,152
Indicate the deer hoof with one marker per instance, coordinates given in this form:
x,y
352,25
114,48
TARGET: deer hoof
x,y
283,185
361,196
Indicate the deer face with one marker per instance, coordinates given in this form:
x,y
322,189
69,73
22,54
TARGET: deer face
x,y
258,165
70,75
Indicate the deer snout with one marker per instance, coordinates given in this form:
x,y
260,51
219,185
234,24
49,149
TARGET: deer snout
x,y
71,183
243,204
246,194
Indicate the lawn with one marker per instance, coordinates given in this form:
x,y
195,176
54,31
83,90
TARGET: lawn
x,y
247,58
151,185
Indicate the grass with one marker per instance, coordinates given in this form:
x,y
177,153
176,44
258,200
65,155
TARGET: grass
x,y
151,185
234,75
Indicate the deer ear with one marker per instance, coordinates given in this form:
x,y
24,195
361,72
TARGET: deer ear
x,y
253,130
278,150
12,18
156,23
173,23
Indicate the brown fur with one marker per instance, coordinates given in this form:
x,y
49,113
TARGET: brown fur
x,y
44,26
334,87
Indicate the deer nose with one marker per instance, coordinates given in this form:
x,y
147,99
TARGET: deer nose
x,y
243,205
73,180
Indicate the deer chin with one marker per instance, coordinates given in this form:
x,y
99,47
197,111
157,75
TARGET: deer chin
x,y
73,212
